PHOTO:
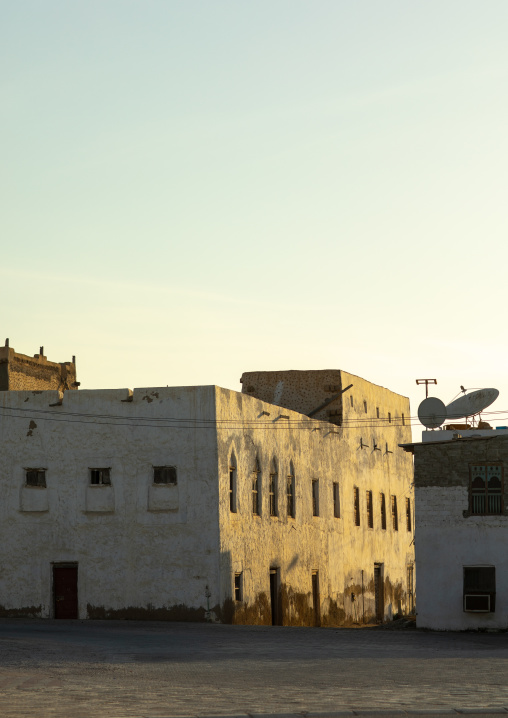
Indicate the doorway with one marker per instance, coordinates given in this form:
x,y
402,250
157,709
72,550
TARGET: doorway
x,y
275,597
316,600
379,592
65,590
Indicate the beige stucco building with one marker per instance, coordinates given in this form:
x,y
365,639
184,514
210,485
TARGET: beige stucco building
x,y
194,502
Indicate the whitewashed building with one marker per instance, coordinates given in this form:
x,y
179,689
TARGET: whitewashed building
x,y
461,522
187,503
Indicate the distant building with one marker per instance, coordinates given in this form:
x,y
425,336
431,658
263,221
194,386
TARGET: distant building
x,y
191,502
461,519
20,372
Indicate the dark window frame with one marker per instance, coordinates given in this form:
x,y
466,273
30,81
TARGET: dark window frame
x,y
336,499
256,490
370,510
35,478
479,581
315,497
383,511
356,505
100,476
290,496
395,513
232,488
273,494
408,514
165,475
238,586
481,501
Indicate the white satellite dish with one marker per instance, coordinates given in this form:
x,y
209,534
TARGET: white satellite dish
x,y
432,412
471,404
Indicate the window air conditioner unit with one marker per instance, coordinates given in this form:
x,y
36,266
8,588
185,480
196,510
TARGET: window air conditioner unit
x,y
477,603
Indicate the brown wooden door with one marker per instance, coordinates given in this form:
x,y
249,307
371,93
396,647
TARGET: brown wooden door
x,y
65,591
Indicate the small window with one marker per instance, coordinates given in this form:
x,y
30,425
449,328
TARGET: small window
x,y
290,492
395,517
273,492
164,475
403,420
238,587
486,489
383,511
389,418
232,489
377,412
408,514
35,477
356,497
315,497
351,399
480,589
336,500
256,489
410,589
100,477
365,406
370,514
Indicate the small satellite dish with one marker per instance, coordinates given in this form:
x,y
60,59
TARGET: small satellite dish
x,y
432,412
471,404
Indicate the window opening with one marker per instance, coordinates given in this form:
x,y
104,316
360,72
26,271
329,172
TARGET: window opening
x,y
389,418
100,477
273,490
35,477
370,513
256,489
410,588
408,514
377,412
315,497
357,505
232,486
351,399
403,420
395,518
486,489
383,511
336,500
480,589
164,475
365,406
238,587
290,490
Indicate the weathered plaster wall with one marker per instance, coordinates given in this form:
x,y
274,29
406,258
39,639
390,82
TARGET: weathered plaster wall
x,y
338,549
20,372
143,551
448,538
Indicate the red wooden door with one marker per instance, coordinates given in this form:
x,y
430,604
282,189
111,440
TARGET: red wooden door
x,y
65,591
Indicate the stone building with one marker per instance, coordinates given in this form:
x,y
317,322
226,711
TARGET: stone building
x,y
461,521
191,502
21,372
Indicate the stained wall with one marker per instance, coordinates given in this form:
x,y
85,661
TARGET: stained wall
x,y
448,537
361,453
143,550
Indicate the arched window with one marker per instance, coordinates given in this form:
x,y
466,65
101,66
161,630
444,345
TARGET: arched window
x,y
232,483
274,476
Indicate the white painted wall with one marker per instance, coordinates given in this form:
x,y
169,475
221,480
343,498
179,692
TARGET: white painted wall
x,y
138,546
446,541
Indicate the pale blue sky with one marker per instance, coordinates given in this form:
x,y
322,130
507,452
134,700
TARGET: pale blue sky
x,y
195,189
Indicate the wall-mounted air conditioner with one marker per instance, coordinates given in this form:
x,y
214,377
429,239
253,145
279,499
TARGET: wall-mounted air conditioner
x,y
477,603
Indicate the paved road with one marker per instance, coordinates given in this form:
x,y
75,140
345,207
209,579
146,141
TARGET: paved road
x,y
155,670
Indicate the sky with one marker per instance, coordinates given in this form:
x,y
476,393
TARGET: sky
x,y
194,189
